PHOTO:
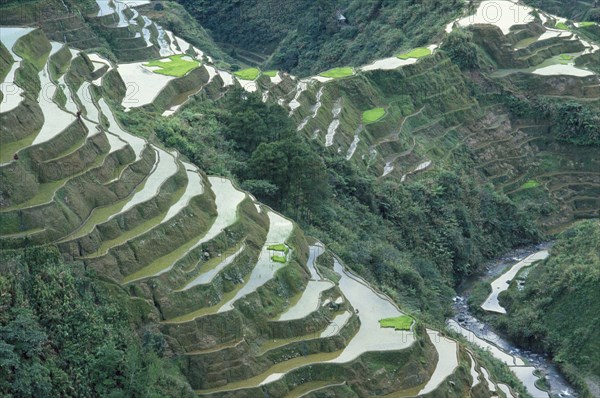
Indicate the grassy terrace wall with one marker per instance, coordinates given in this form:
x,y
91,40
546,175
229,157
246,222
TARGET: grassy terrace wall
x,y
25,120
251,229
6,61
21,179
73,201
135,254
33,47
58,64
377,373
177,90
113,87
425,98
558,85
91,243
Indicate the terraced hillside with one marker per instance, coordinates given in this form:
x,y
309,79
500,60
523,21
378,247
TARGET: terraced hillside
x,y
250,306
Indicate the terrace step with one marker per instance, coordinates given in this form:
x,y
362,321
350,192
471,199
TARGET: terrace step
x,y
11,91
135,227
370,336
310,299
227,198
68,206
306,389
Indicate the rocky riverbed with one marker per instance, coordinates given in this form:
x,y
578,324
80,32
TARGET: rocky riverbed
x,y
559,387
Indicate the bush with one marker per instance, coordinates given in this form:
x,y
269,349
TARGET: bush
x,y
460,48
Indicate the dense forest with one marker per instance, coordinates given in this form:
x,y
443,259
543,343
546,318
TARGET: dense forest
x,y
416,240
307,37
65,333
566,284
66,330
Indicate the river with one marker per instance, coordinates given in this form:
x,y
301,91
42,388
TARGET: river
x,y
559,386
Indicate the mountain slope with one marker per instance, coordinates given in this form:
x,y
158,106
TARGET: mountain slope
x,y
405,167
307,37
555,312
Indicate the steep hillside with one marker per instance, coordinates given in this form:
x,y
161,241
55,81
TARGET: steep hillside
x,y
146,161
307,37
556,310
167,263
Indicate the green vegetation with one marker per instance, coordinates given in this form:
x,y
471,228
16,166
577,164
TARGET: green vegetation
x,y
573,122
337,73
566,57
557,310
417,53
281,247
176,66
403,322
461,49
248,74
270,73
461,222
34,47
586,24
561,25
530,184
279,259
305,38
373,115
65,333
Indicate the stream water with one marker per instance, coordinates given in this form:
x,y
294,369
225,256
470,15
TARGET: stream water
x,y
500,347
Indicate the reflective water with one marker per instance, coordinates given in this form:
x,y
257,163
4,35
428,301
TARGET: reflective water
x,y
209,274
142,84
503,281
166,166
447,350
502,13
310,297
12,92
227,199
280,229
136,143
193,188
55,119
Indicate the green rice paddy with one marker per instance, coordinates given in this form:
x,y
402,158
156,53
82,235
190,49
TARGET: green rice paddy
x,y
530,184
279,259
270,73
336,73
176,66
403,322
561,25
279,248
373,115
248,74
417,53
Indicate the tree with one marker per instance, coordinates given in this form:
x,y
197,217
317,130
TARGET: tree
x,y
460,48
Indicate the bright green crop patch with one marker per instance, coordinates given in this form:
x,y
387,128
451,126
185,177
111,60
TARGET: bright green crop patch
x,y
270,73
565,57
373,115
176,66
338,72
586,24
247,74
418,52
400,323
530,184
279,259
561,25
279,248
